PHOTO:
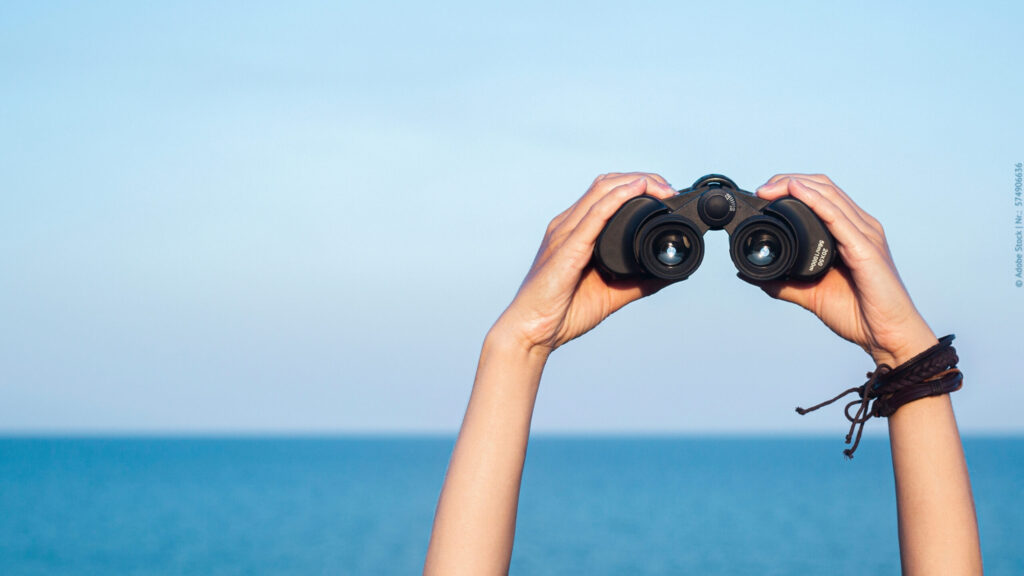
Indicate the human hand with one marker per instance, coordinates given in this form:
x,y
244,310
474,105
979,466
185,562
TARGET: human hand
x,y
862,298
563,295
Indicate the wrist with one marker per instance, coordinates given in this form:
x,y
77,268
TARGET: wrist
x,y
918,341
504,339
897,357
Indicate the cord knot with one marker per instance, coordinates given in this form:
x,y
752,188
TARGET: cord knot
x,y
930,373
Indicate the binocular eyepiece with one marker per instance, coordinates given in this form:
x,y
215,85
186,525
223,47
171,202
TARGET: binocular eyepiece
x,y
782,239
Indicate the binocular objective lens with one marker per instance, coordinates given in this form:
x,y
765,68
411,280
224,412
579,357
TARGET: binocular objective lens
x,y
669,255
668,247
763,249
671,248
762,257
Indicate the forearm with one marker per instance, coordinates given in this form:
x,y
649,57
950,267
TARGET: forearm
x,y
561,298
937,525
475,521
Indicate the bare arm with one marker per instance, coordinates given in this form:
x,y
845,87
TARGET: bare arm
x,y
863,300
938,530
561,298
476,514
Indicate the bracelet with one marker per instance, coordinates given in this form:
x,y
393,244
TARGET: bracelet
x,y
930,373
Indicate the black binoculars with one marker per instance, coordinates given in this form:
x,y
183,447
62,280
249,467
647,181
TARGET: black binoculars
x,y
650,237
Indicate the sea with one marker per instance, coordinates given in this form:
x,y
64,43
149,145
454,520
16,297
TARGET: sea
x,y
364,505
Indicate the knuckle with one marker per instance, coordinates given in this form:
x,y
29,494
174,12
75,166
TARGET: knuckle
x,y
602,183
874,223
619,196
863,251
606,209
554,224
827,212
571,257
801,191
625,190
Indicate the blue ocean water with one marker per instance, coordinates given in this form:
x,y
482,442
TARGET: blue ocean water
x,y
364,506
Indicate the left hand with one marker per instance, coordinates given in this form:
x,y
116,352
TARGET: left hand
x,y
862,298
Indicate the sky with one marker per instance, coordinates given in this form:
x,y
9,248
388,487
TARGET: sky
x,y
303,217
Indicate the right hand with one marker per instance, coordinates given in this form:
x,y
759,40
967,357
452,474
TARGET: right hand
x,y
862,298
563,295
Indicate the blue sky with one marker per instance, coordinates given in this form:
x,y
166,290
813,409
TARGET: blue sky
x,y
259,217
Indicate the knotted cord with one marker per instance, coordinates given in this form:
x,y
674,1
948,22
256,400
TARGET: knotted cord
x,y
930,373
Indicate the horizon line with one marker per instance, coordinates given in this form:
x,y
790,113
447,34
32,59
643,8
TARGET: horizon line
x,y
439,434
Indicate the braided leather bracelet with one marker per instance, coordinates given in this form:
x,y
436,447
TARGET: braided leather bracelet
x,y
930,373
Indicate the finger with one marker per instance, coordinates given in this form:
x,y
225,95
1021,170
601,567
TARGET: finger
x,y
819,178
869,220
853,243
773,190
576,250
631,176
659,178
775,187
605,182
843,202
563,225
603,186
780,187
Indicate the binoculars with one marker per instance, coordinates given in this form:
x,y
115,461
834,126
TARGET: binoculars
x,y
778,240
